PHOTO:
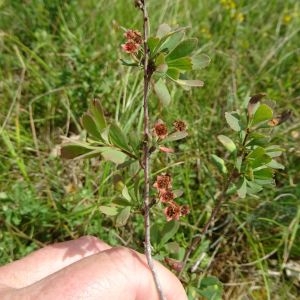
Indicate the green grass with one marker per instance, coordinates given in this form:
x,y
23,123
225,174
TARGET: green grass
x,y
57,55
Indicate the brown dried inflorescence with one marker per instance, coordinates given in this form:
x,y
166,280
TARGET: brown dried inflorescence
x,y
173,211
160,130
166,196
179,125
133,41
163,182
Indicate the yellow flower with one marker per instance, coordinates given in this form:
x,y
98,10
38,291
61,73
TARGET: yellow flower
x,y
228,4
287,19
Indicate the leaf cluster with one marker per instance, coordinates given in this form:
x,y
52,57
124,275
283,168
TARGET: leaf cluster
x,y
253,156
173,55
104,140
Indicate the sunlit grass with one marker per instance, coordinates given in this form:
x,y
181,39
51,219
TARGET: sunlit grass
x,y
56,57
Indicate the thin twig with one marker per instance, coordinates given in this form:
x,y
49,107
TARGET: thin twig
x,y
146,147
196,241
220,200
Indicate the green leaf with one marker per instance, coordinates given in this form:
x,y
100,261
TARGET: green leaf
x,y
219,163
169,230
125,193
200,61
257,152
71,151
163,30
173,74
123,216
160,59
129,63
253,187
182,64
90,126
210,288
175,136
232,121
114,155
210,280
258,158
262,113
256,139
118,138
184,48
171,40
264,173
269,182
242,190
190,83
275,165
274,151
97,112
227,143
162,92
109,210
152,44
238,163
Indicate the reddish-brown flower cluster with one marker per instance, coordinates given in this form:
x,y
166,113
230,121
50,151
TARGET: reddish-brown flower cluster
x,y
179,125
160,130
133,41
173,211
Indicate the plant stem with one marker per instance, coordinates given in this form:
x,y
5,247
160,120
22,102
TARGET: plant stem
x,y
197,240
221,199
146,148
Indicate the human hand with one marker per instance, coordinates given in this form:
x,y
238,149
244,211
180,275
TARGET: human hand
x,y
87,269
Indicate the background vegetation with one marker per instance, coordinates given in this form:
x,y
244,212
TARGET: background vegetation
x,y
57,55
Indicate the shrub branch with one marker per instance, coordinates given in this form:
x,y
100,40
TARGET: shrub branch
x,y
148,71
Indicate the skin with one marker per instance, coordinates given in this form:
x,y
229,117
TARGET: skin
x,y
87,269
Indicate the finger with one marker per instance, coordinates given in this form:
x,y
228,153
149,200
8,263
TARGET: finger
x,y
117,273
48,260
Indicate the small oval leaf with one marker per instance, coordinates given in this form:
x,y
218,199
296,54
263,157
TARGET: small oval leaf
x,y
97,112
168,232
109,210
219,163
242,190
125,193
200,61
184,48
162,92
263,113
227,143
190,83
114,155
117,137
182,64
123,216
90,126
177,135
232,121
70,151
162,30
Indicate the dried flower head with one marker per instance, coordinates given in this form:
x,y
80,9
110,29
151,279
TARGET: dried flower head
x,y
163,182
254,103
133,35
160,130
179,125
166,149
166,196
172,211
174,264
130,47
184,210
